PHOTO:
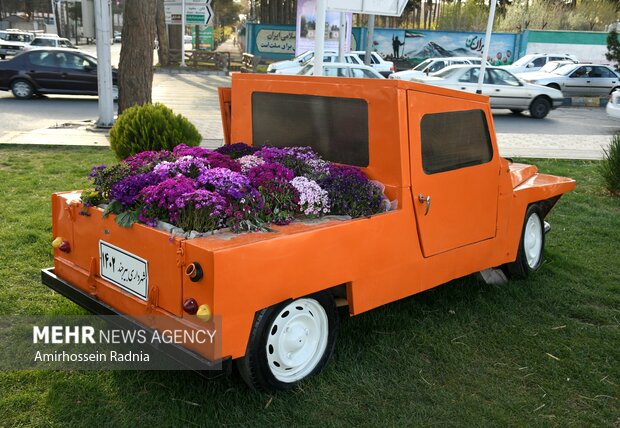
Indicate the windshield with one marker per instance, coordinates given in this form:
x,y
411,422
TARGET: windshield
x,y
522,61
421,66
565,69
447,72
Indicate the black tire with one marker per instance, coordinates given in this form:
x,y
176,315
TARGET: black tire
x,y
261,368
516,110
540,108
531,245
22,89
2,56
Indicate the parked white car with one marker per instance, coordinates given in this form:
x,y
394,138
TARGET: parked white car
x,y
385,68
579,80
349,58
50,41
549,67
504,89
613,106
433,65
295,62
341,69
534,62
13,42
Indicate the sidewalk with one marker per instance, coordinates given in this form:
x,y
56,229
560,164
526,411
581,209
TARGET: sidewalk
x,y
232,48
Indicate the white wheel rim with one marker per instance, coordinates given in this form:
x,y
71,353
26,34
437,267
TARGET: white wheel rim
x,y
532,240
297,340
21,89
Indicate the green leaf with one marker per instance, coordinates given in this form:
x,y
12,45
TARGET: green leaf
x,y
114,207
127,218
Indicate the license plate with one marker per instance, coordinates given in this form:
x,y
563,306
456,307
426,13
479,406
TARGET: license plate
x,y
124,269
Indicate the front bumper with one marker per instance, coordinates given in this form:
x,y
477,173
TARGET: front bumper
x,y
557,102
180,354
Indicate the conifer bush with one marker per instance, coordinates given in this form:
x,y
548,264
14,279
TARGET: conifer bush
x,y
151,127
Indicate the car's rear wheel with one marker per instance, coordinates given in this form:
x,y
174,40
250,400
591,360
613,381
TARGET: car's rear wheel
x,y
540,108
531,245
516,110
290,342
22,89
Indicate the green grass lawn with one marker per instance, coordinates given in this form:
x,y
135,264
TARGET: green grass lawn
x,y
541,352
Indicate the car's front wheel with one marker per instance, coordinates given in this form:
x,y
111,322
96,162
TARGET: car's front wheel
x,y
290,342
540,108
22,89
531,245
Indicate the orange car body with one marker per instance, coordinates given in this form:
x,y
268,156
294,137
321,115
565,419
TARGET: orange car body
x,y
474,222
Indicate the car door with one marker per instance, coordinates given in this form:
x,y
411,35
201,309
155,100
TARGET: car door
x,y
602,81
506,91
42,69
77,74
469,82
454,172
578,82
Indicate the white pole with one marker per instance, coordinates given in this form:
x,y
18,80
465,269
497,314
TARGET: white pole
x,y
487,43
342,35
183,34
370,35
104,66
319,37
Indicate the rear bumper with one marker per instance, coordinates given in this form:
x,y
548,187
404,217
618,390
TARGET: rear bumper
x,y
182,355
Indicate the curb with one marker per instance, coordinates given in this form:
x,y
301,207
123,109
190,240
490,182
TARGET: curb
x,y
585,102
188,70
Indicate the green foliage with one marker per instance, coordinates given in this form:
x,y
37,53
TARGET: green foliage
x,y
613,48
151,127
610,166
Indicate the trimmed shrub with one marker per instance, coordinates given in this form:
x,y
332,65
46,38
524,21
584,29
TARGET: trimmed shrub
x,y
151,127
610,166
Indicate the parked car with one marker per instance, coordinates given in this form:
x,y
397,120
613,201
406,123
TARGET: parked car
x,y
13,42
295,62
349,58
433,65
117,37
534,62
613,106
504,89
547,68
385,68
51,71
342,69
580,80
50,41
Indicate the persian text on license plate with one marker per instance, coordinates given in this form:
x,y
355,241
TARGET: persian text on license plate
x,y
124,269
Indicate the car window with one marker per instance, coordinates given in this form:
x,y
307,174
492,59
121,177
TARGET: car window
x,y
600,72
42,58
421,66
523,61
334,72
437,66
43,42
581,72
471,76
458,61
447,72
71,61
502,77
374,59
328,59
555,58
65,43
454,140
539,62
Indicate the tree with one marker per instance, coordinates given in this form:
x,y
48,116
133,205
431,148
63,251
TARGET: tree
x,y
135,80
613,48
162,35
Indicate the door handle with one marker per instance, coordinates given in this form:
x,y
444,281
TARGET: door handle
x,y
425,200
497,90
463,88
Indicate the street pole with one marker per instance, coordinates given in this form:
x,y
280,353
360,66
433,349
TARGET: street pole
x,y
104,65
487,43
183,34
370,34
342,35
319,36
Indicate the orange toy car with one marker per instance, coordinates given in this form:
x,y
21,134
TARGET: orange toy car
x,y
461,208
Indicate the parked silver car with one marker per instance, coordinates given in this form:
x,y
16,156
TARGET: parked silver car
x,y
579,80
433,65
502,87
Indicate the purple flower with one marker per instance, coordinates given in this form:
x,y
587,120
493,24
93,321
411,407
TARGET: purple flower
x,y
225,182
147,159
236,151
127,190
184,150
160,199
249,161
313,200
212,158
95,170
202,210
351,193
269,171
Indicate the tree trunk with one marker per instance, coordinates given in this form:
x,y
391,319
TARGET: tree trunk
x,y
162,35
135,78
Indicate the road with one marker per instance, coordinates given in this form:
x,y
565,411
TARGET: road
x,y
570,131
